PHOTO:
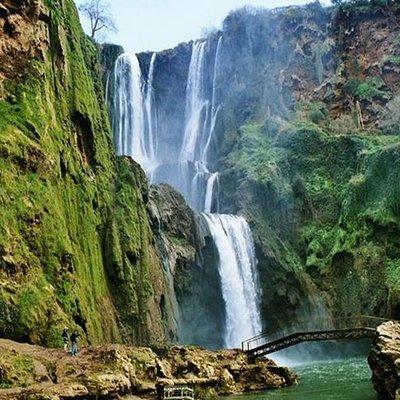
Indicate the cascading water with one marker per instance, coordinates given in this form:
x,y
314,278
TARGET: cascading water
x,y
135,130
214,108
211,183
151,120
237,269
131,109
195,104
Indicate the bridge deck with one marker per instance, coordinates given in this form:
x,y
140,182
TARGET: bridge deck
x,y
265,343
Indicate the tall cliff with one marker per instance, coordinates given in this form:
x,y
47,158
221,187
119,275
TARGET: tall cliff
x,y
77,246
305,140
317,173
304,135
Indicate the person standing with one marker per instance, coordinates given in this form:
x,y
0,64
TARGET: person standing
x,y
65,339
74,343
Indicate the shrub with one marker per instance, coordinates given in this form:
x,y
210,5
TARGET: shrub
x,y
351,86
343,125
271,126
314,111
367,90
362,6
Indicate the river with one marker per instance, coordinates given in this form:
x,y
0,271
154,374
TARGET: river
x,y
329,380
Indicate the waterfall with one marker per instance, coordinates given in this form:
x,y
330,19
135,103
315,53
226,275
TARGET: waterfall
x,y
195,103
214,108
131,106
211,182
149,106
237,269
136,134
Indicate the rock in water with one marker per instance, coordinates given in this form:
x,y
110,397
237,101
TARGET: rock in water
x,y
384,360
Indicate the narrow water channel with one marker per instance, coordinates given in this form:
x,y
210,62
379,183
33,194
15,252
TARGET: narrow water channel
x,y
348,379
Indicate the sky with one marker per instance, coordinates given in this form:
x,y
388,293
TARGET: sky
x,y
161,24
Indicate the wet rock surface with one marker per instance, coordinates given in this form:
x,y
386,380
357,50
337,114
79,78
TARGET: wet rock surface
x,y
32,372
384,360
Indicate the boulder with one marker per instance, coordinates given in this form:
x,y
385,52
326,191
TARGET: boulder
x,y
384,360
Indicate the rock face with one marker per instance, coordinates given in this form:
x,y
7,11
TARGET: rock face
x,y
107,372
76,241
306,143
185,246
384,360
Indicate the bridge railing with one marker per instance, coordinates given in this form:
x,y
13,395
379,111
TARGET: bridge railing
x,y
319,324
179,392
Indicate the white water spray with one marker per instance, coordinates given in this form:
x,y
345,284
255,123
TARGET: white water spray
x,y
211,183
195,103
149,107
132,108
237,269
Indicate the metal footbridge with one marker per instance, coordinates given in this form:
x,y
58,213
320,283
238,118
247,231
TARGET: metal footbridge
x,y
180,392
335,329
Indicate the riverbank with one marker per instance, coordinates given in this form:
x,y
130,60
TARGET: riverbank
x,y
28,371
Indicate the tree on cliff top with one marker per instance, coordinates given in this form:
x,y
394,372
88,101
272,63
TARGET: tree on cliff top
x,y
99,15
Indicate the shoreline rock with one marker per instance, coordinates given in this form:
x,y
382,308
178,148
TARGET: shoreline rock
x,y
111,371
384,361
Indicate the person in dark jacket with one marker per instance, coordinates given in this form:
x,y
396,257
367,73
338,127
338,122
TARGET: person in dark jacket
x,y
65,339
74,343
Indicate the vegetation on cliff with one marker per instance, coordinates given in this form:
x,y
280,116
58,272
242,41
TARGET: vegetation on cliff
x,y
333,208
73,252
313,161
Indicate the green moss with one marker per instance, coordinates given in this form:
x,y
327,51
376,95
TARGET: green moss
x,y
257,156
57,178
129,248
370,89
17,370
332,210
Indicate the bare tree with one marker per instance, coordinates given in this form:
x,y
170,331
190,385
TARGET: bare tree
x,y
99,15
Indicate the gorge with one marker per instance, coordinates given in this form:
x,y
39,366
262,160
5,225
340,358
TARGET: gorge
x,y
135,120
243,182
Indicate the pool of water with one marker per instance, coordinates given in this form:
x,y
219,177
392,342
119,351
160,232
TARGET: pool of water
x,y
329,380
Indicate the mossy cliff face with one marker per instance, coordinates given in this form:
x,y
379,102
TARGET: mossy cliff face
x,y
306,143
319,182
76,248
137,278
324,207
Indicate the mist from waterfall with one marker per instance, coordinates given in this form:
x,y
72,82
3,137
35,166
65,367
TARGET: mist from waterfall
x,y
136,134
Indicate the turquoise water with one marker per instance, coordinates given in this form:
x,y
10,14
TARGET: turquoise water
x,y
334,380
